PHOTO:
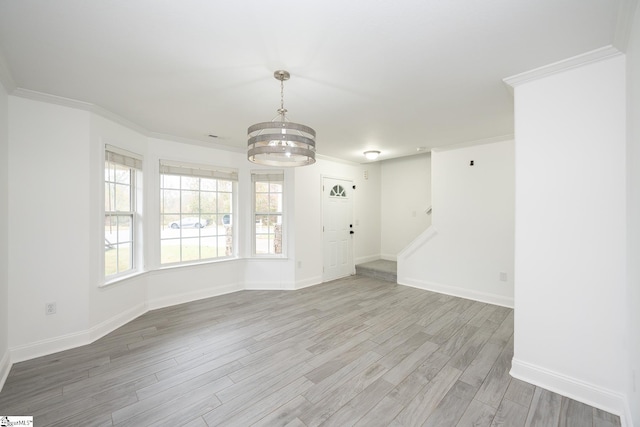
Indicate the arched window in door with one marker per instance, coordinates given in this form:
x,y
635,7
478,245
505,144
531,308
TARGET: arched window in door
x,y
338,191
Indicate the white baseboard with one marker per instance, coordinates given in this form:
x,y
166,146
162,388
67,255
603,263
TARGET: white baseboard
x,y
266,286
110,325
162,302
76,339
457,292
364,259
5,367
590,394
49,346
301,284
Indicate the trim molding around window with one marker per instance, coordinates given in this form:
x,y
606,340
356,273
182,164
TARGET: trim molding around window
x,y
122,220
197,205
268,214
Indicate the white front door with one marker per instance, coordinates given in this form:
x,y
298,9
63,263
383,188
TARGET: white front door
x,y
337,216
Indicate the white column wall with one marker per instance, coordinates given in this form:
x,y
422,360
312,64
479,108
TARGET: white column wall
x,y
571,326
4,235
633,216
49,226
470,241
405,198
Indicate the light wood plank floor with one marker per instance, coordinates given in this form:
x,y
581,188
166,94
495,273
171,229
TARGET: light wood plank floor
x,y
355,351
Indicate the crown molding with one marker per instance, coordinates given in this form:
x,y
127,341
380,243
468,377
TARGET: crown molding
x,y
79,105
202,143
560,66
501,138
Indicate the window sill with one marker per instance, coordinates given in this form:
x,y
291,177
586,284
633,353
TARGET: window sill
x,y
122,278
273,257
196,263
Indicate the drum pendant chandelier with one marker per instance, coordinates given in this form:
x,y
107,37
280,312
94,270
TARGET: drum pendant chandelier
x,y
281,142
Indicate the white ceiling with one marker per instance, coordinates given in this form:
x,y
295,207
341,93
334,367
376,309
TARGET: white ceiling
x,y
377,74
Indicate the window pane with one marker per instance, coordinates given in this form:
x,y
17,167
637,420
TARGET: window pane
x,y
169,251
225,186
275,187
207,202
262,244
170,222
110,229
207,184
208,247
277,239
122,198
275,203
190,202
170,181
225,245
225,220
210,229
262,222
110,259
262,187
190,249
125,232
262,202
224,202
124,257
170,201
122,174
108,172
109,197
190,183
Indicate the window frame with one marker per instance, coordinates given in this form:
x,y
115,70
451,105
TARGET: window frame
x,y
268,176
196,171
117,156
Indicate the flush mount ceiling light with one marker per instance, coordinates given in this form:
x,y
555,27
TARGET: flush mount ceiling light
x,y
371,154
281,142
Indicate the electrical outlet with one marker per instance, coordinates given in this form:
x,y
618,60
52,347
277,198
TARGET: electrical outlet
x,y
50,308
503,276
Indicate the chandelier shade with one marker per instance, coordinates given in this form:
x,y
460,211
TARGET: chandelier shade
x,y
281,142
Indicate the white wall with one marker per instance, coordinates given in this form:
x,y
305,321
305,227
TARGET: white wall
x,y
308,219
4,236
54,186
633,216
405,195
470,241
571,326
49,223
